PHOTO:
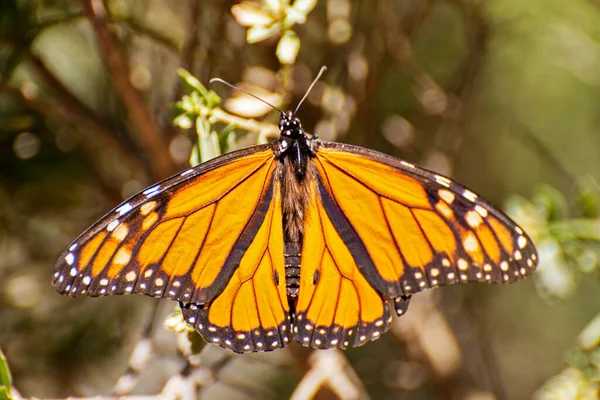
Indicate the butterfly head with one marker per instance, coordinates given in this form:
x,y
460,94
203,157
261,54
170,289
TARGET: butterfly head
x,y
290,126
294,143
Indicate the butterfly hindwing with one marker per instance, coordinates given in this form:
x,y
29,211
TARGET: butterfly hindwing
x,y
420,229
252,312
337,307
181,239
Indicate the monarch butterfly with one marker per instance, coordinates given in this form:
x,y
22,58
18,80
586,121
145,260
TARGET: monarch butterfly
x,y
299,238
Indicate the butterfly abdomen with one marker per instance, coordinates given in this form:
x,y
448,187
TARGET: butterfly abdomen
x,y
292,255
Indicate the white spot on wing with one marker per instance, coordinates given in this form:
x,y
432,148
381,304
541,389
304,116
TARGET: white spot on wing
x,y
481,211
446,195
407,164
187,172
111,227
152,191
124,209
442,180
470,243
70,258
467,194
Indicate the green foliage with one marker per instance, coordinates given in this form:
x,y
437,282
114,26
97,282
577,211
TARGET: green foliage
x,y
5,379
195,108
569,247
581,380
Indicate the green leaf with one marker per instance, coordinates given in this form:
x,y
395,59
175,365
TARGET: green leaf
x,y
208,140
588,197
551,202
589,338
5,379
227,138
184,121
193,82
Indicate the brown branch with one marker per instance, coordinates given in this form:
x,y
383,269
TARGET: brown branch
x,y
65,96
191,41
137,26
148,132
96,135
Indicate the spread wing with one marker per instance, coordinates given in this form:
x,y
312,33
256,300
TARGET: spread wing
x,y
337,306
252,313
388,229
192,238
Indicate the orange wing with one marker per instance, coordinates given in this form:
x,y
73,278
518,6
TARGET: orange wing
x,y
378,228
411,229
336,305
252,313
191,238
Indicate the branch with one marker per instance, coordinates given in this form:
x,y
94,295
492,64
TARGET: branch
x,y
149,135
331,369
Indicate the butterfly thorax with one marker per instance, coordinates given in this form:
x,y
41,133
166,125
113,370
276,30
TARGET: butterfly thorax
x,y
296,176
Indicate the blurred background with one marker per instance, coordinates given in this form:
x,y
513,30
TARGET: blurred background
x,y
502,95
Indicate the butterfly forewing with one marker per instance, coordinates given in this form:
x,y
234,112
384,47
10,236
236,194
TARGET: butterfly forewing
x,y
420,229
172,240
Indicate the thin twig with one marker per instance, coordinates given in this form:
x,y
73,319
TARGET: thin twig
x,y
331,369
91,128
169,42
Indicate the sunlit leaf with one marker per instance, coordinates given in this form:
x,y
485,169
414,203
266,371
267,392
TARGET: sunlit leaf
x,y
259,33
183,121
193,82
569,384
293,16
251,14
288,48
208,141
304,6
555,279
275,5
589,338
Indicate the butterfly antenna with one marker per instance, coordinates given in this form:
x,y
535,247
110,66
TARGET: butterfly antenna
x,y
244,91
323,69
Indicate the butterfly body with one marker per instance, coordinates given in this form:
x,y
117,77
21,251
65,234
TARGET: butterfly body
x,y
298,239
